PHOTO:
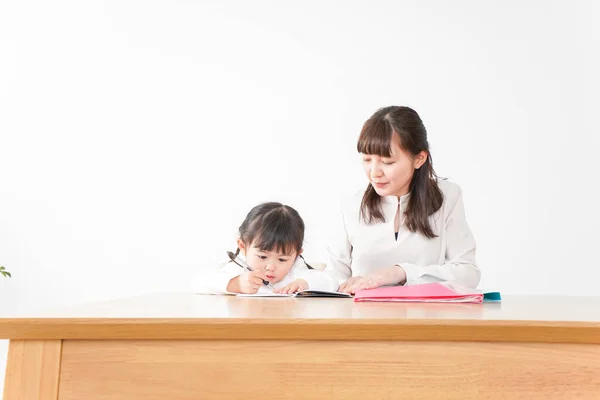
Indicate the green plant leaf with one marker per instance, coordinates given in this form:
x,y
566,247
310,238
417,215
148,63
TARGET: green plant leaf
x,y
4,272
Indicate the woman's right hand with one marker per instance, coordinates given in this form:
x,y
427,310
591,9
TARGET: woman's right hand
x,y
393,275
345,287
248,283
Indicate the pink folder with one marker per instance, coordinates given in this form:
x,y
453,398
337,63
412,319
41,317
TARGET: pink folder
x,y
427,292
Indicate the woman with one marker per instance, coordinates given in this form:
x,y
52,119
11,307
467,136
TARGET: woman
x,y
408,226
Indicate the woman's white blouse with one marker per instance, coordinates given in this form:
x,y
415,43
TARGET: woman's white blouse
x,y
357,249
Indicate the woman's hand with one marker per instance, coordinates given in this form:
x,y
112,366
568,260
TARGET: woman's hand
x,y
294,286
381,277
248,283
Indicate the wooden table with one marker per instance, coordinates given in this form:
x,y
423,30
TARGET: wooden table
x,y
186,346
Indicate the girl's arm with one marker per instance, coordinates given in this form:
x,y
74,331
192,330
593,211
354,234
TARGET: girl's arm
x,y
216,281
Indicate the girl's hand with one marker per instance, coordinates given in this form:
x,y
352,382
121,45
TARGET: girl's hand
x,y
248,283
293,287
382,277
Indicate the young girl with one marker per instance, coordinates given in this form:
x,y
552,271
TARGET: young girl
x,y
270,243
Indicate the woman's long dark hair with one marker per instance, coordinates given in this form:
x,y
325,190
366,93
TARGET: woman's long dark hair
x,y
425,194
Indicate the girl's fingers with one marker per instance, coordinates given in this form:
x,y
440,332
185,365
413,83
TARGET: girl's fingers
x,y
257,281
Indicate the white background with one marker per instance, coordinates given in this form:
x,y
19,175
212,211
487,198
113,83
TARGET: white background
x,y
135,135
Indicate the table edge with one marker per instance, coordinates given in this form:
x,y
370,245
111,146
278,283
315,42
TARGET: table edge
x,y
301,329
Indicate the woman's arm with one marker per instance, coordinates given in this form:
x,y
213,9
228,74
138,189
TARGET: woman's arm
x,y
339,254
316,280
460,265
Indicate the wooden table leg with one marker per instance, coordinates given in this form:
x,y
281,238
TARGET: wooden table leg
x,y
33,369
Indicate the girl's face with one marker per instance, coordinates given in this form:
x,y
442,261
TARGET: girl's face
x,y
391,176
274,264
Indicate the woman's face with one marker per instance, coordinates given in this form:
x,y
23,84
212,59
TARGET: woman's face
x,y
391,176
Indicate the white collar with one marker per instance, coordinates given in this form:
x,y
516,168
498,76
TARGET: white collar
x,y
395,199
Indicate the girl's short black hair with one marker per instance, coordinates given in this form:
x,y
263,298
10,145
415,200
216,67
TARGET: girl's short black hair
x,y
273,226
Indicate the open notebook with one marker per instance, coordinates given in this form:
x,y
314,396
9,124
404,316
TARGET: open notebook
x,y
302,293
428,292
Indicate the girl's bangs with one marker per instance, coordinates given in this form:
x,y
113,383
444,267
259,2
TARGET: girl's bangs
x,y
270,243
278,237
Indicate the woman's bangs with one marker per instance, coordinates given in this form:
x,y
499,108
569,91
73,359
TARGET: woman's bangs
x,y
375,138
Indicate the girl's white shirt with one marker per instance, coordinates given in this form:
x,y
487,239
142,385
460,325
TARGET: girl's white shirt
x,y
216,281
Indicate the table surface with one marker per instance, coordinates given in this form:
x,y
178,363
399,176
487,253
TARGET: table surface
x,y
189,305
160,310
